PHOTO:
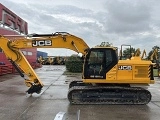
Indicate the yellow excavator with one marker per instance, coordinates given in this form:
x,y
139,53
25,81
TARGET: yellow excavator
x,y
105,78
52,60
155,59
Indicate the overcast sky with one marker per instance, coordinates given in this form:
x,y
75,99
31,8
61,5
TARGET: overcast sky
x,y
132,22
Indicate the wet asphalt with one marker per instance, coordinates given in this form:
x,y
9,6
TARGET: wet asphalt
x,y
15,104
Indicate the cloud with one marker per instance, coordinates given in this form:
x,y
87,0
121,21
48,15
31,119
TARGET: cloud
x,y
116,21
126,17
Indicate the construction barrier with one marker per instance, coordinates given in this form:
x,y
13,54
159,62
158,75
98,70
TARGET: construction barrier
x,y
6,69
9,69
36,65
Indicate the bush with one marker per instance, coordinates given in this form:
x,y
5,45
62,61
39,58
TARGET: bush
x,y
74,64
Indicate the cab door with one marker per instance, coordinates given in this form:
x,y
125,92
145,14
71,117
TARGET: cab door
x,y
98,62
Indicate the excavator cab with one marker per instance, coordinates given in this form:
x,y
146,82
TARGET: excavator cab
x,y
99,61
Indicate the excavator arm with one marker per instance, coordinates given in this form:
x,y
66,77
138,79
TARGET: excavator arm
x,y
13,53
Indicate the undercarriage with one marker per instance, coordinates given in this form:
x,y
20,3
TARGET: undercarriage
x,y
82,93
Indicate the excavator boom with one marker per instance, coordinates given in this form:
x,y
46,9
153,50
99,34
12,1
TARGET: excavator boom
x,y
56,40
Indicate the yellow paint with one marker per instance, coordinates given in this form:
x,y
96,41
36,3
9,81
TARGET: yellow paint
x,y
137,75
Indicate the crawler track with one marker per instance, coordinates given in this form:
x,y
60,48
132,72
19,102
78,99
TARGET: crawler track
x,y
108,95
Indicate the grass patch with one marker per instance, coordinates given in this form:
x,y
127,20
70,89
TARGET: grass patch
x,y
155,73
71,73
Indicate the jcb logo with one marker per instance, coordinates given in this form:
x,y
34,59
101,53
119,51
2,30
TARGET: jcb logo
x,y
124,67
36,43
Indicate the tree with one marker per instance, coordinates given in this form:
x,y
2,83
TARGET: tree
x,y
128,51
74,64
153,54
105,44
